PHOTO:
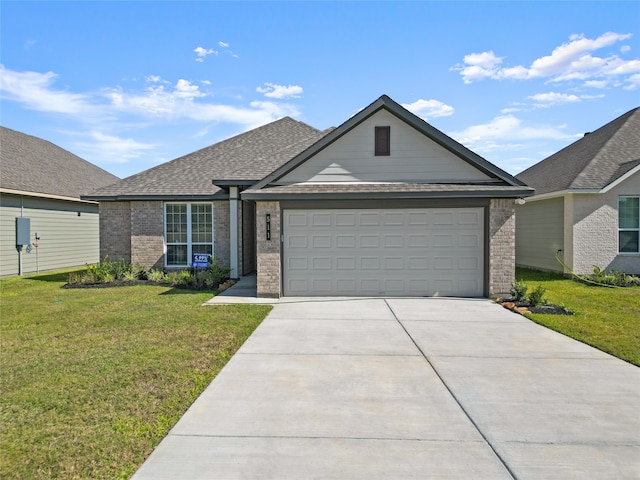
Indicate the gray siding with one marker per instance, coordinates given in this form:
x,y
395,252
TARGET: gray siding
x,y
66,239
540,233
414,158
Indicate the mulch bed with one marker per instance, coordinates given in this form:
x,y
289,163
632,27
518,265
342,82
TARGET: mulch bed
x,y
129,283
524,307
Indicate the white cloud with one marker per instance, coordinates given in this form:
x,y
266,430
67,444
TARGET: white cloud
x,y
153,78
554,98
223,44
625,48
429,108
185,89
549,99
572,60
633,82
596,83
202,52
273,90
34,90
507,132
158,100
111,148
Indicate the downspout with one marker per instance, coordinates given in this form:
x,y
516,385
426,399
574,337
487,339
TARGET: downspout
x,y
233,231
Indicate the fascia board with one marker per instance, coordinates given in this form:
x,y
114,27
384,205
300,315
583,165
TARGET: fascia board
x,y
46,195
381,195
621,179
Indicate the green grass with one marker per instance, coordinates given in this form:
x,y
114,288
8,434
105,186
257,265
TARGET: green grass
x,y
93,379
605,318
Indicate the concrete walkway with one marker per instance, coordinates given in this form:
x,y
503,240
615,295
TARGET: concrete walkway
x,y
408,388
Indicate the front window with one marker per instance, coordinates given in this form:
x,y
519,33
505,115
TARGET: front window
x,y
188,230
628,224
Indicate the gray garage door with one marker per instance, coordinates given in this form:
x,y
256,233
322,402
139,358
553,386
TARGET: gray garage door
x,y
384,252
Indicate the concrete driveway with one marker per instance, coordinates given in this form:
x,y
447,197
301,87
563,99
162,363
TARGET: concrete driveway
x,y
408,388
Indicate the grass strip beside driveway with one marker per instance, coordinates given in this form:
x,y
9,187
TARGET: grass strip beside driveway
x,y
605,318
93,379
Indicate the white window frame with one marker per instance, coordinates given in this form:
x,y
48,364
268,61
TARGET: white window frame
x,y
189,233
628,229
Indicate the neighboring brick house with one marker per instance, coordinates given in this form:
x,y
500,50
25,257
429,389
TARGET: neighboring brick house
x,y
587,203
41,184
385,204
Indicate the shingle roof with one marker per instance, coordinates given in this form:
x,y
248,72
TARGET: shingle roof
x,y
382,190
31,164
593,162
248,156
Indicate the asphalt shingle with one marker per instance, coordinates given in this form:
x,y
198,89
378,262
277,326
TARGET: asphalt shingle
x,y
31,164
593,162
248,156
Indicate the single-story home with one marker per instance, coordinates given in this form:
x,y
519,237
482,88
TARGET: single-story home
x,y
587,203
40,190
383,205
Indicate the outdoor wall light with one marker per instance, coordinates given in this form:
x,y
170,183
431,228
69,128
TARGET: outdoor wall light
x,y
521,201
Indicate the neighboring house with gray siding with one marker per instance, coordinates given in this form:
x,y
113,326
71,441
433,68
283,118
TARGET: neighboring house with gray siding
x,y
43,183
385,204
587,203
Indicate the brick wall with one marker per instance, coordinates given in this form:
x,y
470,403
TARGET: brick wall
x,y
221,237
595,230
502,246
115,230
268,251
147,234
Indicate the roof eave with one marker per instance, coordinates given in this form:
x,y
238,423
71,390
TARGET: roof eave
x,y
46,195
621,179
384,195
126,198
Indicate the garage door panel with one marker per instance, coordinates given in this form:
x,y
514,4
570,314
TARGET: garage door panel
x,y
416,252
345,241
369,241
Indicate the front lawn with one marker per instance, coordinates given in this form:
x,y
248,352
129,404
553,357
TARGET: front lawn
x,y
606,318
93,379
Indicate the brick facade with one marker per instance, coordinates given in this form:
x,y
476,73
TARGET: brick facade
x,y
115,230
147,234
134,231
502,245
221,246
268,251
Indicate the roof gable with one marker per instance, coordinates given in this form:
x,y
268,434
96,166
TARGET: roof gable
x,y
31,164
593,162
487,171
414,158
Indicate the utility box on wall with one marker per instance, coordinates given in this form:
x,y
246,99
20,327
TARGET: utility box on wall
x,y
23,231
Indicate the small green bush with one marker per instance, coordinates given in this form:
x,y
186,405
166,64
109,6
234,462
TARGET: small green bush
x,y
156,276
613,278
195,278
519,290
536,296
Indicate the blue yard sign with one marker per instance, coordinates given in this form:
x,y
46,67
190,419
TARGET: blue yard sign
x,y
200,260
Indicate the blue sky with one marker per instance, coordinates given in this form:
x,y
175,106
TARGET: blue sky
x,y
129,85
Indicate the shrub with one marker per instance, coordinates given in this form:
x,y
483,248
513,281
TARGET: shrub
x,y
536,296
519,290
156,276
217,273
613,278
